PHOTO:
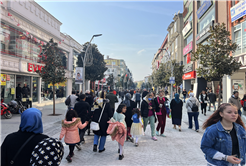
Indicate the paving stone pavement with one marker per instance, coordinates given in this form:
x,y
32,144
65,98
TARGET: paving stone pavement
x,y
177,149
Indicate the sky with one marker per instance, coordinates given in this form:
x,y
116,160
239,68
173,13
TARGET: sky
x,y
133,31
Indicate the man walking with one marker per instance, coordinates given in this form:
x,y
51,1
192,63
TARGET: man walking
x,y
184,94
212,99
112,99
138,98
73,98
82,108
234,99
89,98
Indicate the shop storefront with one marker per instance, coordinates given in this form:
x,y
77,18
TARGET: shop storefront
x,y
189,80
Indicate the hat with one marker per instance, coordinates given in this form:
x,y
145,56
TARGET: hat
x,y
48,152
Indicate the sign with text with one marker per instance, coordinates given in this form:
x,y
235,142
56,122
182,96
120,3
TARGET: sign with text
x,y
204,33
238,11
188,68
33,67
242,60
187,28
3,80
204,7
187,48
190,75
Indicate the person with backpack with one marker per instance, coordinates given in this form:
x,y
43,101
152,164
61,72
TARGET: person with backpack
x,y
71,100
193,111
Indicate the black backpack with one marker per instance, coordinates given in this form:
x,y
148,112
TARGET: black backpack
x,y
68,101
194,107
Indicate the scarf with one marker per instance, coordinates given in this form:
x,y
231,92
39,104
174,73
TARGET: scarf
x,y
127,100
177,98
31,121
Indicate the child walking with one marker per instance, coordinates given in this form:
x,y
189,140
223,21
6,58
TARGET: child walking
x,y
120,117
70,129
137,125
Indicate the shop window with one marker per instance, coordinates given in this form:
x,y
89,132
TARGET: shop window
x,y
244,37
7,87
238,39
210,16
35,86
188,39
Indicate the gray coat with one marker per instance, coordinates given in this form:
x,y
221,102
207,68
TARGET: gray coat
x,y
190,102
235,101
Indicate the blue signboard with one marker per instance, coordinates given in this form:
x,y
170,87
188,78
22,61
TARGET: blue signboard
x,y
172,80
238,11
204,7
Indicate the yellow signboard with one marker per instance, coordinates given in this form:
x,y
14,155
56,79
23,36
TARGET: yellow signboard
x,y
57,84
12,91
3,80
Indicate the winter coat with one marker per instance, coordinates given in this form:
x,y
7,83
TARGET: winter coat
x,y
144,94
117,132
73,99
176,109
157,108
190,102
128,113
203,99
25,91
82,108
235,101
106,116
145,107
89,99
112,99
137,97
212,97
13,142
70,130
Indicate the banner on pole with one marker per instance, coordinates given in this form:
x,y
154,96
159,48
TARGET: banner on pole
x,y
79,75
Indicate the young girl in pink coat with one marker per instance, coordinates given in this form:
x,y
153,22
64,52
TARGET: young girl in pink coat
x,y
70,129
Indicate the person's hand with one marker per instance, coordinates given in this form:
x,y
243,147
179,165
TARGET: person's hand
x,y
201,102
233,160
150,108
170,110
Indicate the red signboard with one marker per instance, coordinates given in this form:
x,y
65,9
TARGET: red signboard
x,y
188,58
8,78
33,67
189,75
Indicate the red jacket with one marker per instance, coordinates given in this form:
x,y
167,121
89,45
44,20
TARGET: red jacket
x,y
242,101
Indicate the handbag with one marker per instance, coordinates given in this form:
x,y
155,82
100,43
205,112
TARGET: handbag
x,y
95,125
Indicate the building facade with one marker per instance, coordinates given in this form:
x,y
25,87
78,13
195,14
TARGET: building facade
x,y
25,28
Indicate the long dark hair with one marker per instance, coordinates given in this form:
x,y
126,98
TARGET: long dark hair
x,y
136,111
71,114
215,117
120,107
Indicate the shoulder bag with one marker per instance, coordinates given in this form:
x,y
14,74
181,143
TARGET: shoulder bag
x,y
13,160
95,125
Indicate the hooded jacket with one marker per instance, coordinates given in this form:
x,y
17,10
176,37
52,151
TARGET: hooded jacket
x,y
235,101
70,130
190,102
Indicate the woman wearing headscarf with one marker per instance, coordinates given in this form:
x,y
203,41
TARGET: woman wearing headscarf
x,y
31,127
100,103
176,106
130,106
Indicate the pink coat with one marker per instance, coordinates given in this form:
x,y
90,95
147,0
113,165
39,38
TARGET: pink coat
x,y
70,130
117,131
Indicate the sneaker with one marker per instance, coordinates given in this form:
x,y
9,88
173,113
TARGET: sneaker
x,y
95,148
118,150
72,155
197,130
136,144
174,127
157,133
163,135
83,142
154,138
69,159
204,114
121,157
78,146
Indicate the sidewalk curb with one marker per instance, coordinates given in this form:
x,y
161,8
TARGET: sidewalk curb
x,y
46,103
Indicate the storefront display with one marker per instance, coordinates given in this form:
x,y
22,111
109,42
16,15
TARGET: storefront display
x,y
7,86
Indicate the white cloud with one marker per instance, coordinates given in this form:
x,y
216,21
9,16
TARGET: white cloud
x,y
141,51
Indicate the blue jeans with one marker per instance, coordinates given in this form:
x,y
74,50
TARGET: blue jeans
x,y
184,98
102,141
190,115
240,112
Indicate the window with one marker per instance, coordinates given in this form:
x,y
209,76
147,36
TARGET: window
x,y
240,38
185,59
171,31
175,24
244,37
206,20
113,63
172,47
176,43
188,39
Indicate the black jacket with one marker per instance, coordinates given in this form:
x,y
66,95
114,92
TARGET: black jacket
x,y
25,91
18,90
89,99
128,113
212,97
145,108
144,94
82,108
112,99
157,108
12,144
106,116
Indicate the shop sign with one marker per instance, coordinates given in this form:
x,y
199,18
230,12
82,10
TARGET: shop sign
x,y
187,48
238,11
188,68
33,67
3,80
241,59
204,33
187,28
7,77
189,75
205,6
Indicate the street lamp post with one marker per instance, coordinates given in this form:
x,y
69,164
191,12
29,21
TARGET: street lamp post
x,y
169,56
84,60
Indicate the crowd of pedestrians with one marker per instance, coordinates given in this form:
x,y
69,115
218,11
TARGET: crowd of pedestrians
x,y
223,143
